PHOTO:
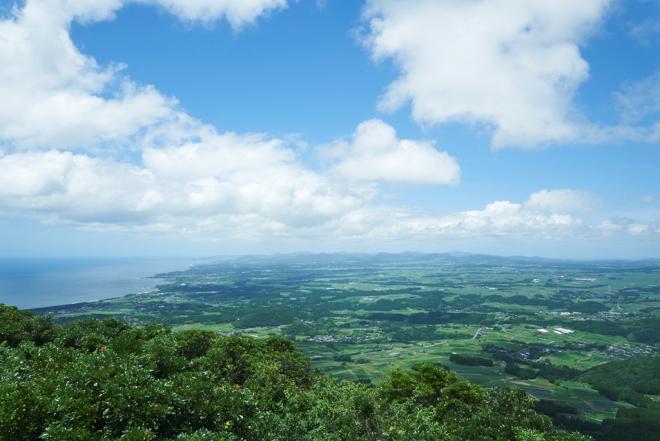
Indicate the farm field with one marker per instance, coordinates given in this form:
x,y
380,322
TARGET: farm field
x,y
533,324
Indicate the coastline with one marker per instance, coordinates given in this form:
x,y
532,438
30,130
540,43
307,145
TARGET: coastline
x,y
46,283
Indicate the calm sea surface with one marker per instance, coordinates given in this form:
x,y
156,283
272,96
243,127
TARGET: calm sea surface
x,y
33,283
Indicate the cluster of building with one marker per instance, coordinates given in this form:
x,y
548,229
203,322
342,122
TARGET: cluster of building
x,y
630,351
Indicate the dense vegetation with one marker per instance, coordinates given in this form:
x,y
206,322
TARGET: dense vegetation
x,y
105,380
468,360
633,380
539,325
630,380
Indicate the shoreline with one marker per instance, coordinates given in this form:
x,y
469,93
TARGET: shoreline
x,y
37,284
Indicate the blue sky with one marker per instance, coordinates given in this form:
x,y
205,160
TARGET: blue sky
x,y
527,129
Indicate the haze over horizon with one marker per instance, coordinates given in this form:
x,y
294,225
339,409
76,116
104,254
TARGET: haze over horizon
x,y
215,127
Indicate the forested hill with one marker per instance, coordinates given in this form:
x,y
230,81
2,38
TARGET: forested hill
x,y
105,380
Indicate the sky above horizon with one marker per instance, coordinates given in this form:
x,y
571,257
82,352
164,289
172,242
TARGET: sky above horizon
x,y
207,127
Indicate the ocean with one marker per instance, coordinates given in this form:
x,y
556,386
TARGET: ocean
x,y
34,283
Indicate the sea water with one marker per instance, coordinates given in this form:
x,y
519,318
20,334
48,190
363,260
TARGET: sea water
x,y
34,283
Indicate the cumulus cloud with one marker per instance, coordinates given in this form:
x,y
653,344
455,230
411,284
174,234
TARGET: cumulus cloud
x,y
201,188
58,103
375,153
198,186
55,96
562,200
251,187
513,66
71,187
82,144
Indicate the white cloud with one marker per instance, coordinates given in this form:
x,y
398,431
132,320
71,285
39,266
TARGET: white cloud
x,y
637,229
237,12
71,187
205,186
633,227
562,200
376,154
497,219
511,65
54,96
212,198
608,227
187,177
81,144
501,218
250,187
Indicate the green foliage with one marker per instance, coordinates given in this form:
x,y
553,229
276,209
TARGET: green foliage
x,y
634,424
552,408
629,380
520,372
357,317
104,380
194,343
17,326
469,360
624,379
589,307
642,330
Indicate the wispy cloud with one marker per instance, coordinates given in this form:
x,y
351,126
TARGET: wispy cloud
x,y
646,32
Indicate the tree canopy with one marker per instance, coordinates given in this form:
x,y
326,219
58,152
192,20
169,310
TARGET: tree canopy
x,y
106,380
